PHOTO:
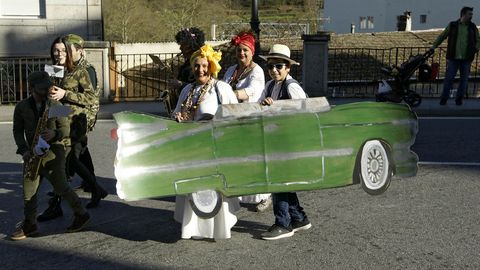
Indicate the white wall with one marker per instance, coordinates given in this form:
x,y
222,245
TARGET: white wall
x,y
26,34
439,12
156,47
343,13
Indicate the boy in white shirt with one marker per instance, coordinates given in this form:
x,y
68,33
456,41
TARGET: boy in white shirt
x,y
289,215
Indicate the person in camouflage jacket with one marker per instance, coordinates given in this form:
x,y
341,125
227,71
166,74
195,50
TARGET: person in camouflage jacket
x,y
78,90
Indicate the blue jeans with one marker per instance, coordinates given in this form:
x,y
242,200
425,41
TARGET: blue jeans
x,y
453,65
286,208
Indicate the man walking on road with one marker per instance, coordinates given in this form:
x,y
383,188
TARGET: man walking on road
x,y
32,126
463,44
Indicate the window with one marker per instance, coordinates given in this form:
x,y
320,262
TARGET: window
x,y
423,18
363,22
366,22
370,24
22,9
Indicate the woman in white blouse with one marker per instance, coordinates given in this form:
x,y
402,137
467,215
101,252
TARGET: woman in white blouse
x,y
246,77
199,101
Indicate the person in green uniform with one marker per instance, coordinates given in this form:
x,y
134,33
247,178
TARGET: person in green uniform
x,y
27,115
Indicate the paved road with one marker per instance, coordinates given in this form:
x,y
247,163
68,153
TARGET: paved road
x,y
426,222
447,139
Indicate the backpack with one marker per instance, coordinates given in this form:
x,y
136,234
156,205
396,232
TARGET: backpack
x,y
93,108
283,90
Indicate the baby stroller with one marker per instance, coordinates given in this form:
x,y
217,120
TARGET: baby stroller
x,y
401,85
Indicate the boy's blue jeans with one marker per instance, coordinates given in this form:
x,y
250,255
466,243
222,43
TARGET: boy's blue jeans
x,y
286,208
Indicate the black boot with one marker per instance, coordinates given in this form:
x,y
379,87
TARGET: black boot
x,y
53,211
83,186
98,193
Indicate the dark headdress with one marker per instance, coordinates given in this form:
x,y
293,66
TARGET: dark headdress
x,y
193,37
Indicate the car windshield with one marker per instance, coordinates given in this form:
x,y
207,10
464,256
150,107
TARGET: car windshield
x,y
287,106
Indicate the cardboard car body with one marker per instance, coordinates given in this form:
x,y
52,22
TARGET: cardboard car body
x,y
293,145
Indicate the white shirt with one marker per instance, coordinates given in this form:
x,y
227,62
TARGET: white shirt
x,y
209,104
253,83
294,90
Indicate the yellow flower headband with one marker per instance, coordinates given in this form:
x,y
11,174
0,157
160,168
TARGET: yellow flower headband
x,y
213,57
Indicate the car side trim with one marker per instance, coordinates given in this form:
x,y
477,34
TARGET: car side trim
x,y
132,171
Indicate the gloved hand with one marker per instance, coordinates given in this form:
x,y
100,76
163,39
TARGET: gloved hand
x,y
41,148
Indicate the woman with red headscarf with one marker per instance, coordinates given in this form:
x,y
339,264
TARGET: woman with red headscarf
x,y
246,77
248,81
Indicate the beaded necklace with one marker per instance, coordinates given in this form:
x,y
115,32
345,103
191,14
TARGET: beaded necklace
x,y
189,106
235,78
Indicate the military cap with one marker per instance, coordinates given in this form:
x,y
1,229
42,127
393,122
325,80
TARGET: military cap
x,y
74,39
39,80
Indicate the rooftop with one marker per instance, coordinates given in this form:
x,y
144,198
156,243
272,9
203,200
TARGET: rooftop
x,y
377,40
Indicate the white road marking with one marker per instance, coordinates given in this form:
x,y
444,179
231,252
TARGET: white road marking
x,y
449,163
449,118
11,173
106,120
99,120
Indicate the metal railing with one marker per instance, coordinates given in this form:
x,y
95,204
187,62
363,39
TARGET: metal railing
x,y
142,76
13,76
356,72
352,72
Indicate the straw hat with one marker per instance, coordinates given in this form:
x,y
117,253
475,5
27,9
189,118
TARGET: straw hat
x,y
279,51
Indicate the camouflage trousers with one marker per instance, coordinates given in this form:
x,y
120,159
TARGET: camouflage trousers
x,y
54,171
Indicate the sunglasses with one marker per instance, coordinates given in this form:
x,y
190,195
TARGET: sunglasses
x,y
276,66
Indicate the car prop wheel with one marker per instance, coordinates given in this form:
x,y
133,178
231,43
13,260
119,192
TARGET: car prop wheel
x,y
413,99
375,168
206,203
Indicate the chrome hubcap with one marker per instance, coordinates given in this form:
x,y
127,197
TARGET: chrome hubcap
x,y
375,166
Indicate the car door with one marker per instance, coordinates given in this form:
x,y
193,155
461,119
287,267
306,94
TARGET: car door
x,y
293,151
239,151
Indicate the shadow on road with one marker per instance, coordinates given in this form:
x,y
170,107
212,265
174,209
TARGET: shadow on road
x,y
138,221
254,228
29,257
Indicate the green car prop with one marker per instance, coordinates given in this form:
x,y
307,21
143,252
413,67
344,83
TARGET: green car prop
x,y
293,145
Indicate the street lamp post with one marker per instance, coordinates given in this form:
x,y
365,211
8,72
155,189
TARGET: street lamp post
x,y
255,26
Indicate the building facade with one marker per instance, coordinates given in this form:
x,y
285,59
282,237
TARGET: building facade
x,y
27,27
367,16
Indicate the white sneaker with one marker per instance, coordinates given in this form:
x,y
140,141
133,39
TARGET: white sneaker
x,y
264,204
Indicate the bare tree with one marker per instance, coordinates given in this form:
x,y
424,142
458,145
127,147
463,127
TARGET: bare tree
x,y
159,20
182,14
126,19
